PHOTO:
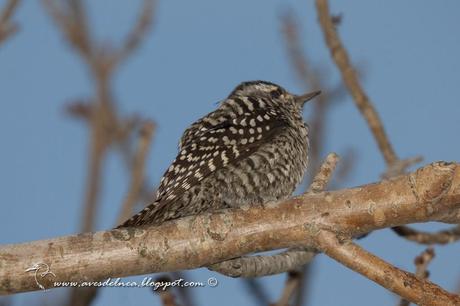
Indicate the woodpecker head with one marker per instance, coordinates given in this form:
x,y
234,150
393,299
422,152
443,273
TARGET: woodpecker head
x,y
273,92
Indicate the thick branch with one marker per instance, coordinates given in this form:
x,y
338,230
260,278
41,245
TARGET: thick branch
x,y
432,193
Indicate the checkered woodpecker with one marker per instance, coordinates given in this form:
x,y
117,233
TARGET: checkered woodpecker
x,y
252,149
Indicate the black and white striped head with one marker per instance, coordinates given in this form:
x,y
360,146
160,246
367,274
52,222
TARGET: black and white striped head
x,y
273,92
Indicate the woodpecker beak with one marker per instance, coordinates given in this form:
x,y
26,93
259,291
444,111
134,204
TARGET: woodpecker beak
x,y
302,99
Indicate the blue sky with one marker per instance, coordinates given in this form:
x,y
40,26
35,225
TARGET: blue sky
x,y
197,52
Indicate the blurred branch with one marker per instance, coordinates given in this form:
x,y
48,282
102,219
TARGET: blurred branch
x,y
106,127
309,79
421,268
166,295
139,31
441,237
290,287
70,16
137,172
7,28
263,265
83,109
256,290
185,293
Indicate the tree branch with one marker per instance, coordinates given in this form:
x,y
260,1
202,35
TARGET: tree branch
x,y
257,266
432,193
340,56
407,285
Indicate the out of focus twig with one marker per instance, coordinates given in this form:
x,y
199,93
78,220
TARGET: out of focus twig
x,y
291,285
309,79
442,237
165,293
263,265
137,172
140,29
106,127
7,27
257,291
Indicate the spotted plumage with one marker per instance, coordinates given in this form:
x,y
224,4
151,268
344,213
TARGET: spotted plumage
x,y
251,150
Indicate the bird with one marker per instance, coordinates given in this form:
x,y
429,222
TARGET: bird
x,y
251,150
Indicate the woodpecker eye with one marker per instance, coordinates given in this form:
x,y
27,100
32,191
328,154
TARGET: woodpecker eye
x,y
275,94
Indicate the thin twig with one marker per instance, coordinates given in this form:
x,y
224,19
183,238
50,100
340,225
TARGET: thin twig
x,y
324,174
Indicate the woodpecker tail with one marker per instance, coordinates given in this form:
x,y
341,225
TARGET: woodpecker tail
x,y
142,217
